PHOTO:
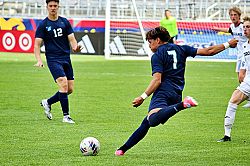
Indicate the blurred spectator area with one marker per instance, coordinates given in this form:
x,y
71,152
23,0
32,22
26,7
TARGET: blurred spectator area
x,y
147,9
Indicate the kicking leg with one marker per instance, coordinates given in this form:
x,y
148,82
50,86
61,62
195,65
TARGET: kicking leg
x,y
161,115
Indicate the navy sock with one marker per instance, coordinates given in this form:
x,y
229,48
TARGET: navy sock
x,y
64,103
164,114
138,135
53,99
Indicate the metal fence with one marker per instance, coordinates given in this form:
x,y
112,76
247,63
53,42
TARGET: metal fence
x,y
153,9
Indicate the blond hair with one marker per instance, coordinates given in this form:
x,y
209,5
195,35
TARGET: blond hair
x,y
246,19
235,9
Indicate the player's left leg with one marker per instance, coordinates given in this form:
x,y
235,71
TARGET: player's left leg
x,y
68,69
161,115
138,135
237,97
62,82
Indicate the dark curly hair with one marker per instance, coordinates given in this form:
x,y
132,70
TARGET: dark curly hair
x,y
158,32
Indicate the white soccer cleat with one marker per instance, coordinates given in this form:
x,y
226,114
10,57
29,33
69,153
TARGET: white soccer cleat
x,y
68,119
47,108
247,105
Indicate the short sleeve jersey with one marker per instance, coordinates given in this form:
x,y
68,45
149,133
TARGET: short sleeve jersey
x,y
170,61
55,37
238,33
245,61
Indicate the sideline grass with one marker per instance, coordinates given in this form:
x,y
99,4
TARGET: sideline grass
x,y
101,107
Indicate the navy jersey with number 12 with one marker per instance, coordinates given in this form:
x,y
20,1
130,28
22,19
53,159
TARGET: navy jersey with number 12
x,y
55,37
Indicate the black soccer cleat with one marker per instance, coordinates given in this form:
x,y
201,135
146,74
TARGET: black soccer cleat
x,y
224,139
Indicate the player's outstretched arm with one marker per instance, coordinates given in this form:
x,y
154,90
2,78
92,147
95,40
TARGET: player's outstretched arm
x,y
37,45
212,50
226,30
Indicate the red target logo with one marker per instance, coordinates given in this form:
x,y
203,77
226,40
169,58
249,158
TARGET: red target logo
x,y
25,41
17,41
8,41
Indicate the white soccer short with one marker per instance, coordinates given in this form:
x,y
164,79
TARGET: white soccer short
x,y
244,88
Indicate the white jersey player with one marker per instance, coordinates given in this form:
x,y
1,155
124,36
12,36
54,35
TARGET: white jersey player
x,y
242,92
236,29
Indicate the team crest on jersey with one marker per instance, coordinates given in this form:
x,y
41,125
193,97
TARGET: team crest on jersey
x,y
48,28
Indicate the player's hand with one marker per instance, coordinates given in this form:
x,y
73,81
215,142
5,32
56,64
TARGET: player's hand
x,y
39,64
233,43
137,101
78,48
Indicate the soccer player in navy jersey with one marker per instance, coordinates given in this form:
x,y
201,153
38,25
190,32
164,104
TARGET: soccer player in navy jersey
x,y
57,35
168,67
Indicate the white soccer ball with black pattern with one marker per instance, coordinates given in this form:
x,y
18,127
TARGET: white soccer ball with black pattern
x,y
90,146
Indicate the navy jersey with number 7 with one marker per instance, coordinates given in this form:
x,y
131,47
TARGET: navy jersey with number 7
x,y
170,60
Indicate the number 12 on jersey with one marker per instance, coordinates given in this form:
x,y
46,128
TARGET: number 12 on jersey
x,y
57,32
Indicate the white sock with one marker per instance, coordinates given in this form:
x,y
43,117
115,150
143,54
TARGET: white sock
x,y
229,118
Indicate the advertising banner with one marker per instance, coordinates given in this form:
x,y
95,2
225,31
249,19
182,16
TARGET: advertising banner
x,y
16,41
17,35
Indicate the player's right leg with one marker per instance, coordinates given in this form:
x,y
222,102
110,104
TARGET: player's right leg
x,y
47,108
46,104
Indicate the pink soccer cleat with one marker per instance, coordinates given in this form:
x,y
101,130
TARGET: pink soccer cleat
x,y
119,153
189,102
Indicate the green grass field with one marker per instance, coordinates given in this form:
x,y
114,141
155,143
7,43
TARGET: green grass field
x,y
101,107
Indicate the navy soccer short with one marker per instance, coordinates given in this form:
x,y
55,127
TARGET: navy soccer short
x,y
61,68
163,99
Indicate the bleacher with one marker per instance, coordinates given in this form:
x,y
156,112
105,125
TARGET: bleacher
x,y
153,9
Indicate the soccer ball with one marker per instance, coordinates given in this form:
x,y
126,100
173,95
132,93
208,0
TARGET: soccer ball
x,y
90,146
